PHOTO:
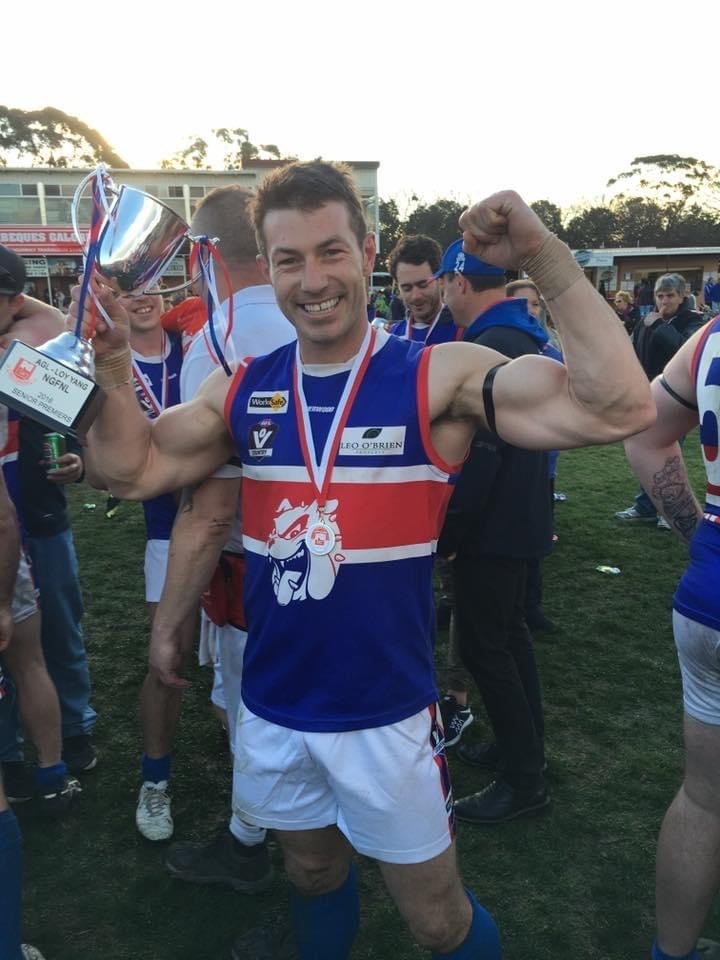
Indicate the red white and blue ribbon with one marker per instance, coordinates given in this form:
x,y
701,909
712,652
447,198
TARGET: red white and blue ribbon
x,y
321,473
100,181
205,254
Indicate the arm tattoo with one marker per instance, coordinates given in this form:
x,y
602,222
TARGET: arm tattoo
x,y
671,490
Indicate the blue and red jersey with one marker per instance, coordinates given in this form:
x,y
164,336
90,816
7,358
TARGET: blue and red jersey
x,y
157,386
698,593
341,641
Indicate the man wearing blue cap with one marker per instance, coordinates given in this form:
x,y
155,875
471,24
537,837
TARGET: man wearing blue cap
x,y
412,263
499,518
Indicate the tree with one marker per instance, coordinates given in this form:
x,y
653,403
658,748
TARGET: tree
x,y
638,222
591,228
675,183
697,228
551,216
236,144
51,138
191,157
438,220
391,229
241,148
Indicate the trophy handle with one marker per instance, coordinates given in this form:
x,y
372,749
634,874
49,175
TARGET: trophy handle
x,y
101,170
166,290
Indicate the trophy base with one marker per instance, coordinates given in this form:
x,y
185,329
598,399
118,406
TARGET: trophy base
x,y
44,389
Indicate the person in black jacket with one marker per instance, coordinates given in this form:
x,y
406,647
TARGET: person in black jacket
x,y
50,543
657,338
500,517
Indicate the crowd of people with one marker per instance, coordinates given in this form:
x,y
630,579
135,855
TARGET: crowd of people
x,y
280,487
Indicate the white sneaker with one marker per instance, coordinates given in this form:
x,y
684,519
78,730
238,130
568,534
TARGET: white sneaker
x,y
663,524
31,953
632,513
153,817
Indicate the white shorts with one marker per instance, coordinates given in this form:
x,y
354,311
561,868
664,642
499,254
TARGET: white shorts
x,y
24,601
698,649
226,646
387,788
156,561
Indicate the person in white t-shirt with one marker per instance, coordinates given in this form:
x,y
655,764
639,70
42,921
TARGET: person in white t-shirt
x,y
207,531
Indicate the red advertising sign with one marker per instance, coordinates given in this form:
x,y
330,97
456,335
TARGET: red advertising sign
x,y
41,241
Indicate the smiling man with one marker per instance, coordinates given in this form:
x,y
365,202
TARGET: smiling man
x,y
364,434
413,261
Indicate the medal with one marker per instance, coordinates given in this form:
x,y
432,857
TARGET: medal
x,y
320,538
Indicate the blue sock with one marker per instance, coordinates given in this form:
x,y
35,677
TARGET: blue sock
x,y
50,778
482,941
658,954
325,926
155,770
10,885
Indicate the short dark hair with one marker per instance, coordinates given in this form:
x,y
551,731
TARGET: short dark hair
x,y
225,213
481,284
308,186
415,249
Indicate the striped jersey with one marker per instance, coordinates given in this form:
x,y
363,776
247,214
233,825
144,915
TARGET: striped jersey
x,y
698,593
343,640
9,451
157,385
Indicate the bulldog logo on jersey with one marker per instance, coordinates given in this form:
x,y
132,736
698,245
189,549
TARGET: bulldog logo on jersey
x,y
299,569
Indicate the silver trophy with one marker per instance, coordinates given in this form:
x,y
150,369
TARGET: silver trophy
x,y
138,238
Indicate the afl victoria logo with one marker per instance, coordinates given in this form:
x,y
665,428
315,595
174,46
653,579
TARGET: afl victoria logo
x,y
23,370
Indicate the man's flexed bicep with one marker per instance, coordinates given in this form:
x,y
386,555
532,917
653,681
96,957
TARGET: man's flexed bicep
x,y
524,401
141,458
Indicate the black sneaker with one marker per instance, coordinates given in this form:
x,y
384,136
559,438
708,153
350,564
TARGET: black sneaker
x,y
454,719
275,942
486,756
222,860
499,802
55,803
79,754
17,781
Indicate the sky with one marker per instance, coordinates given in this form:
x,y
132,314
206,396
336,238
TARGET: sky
x,y
454,99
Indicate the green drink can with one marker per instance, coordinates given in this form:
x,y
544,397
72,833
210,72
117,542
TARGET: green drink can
x,y
53,448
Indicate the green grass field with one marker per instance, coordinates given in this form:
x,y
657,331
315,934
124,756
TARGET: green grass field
x,y
576,884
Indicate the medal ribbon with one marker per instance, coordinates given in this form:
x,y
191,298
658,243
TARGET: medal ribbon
x,y
157,404
207,253
321,474
409,325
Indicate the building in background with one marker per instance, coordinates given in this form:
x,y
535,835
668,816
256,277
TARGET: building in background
x,y
622,268
36,222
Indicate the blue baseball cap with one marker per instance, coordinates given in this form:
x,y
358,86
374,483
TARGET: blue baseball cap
x,y
455,260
